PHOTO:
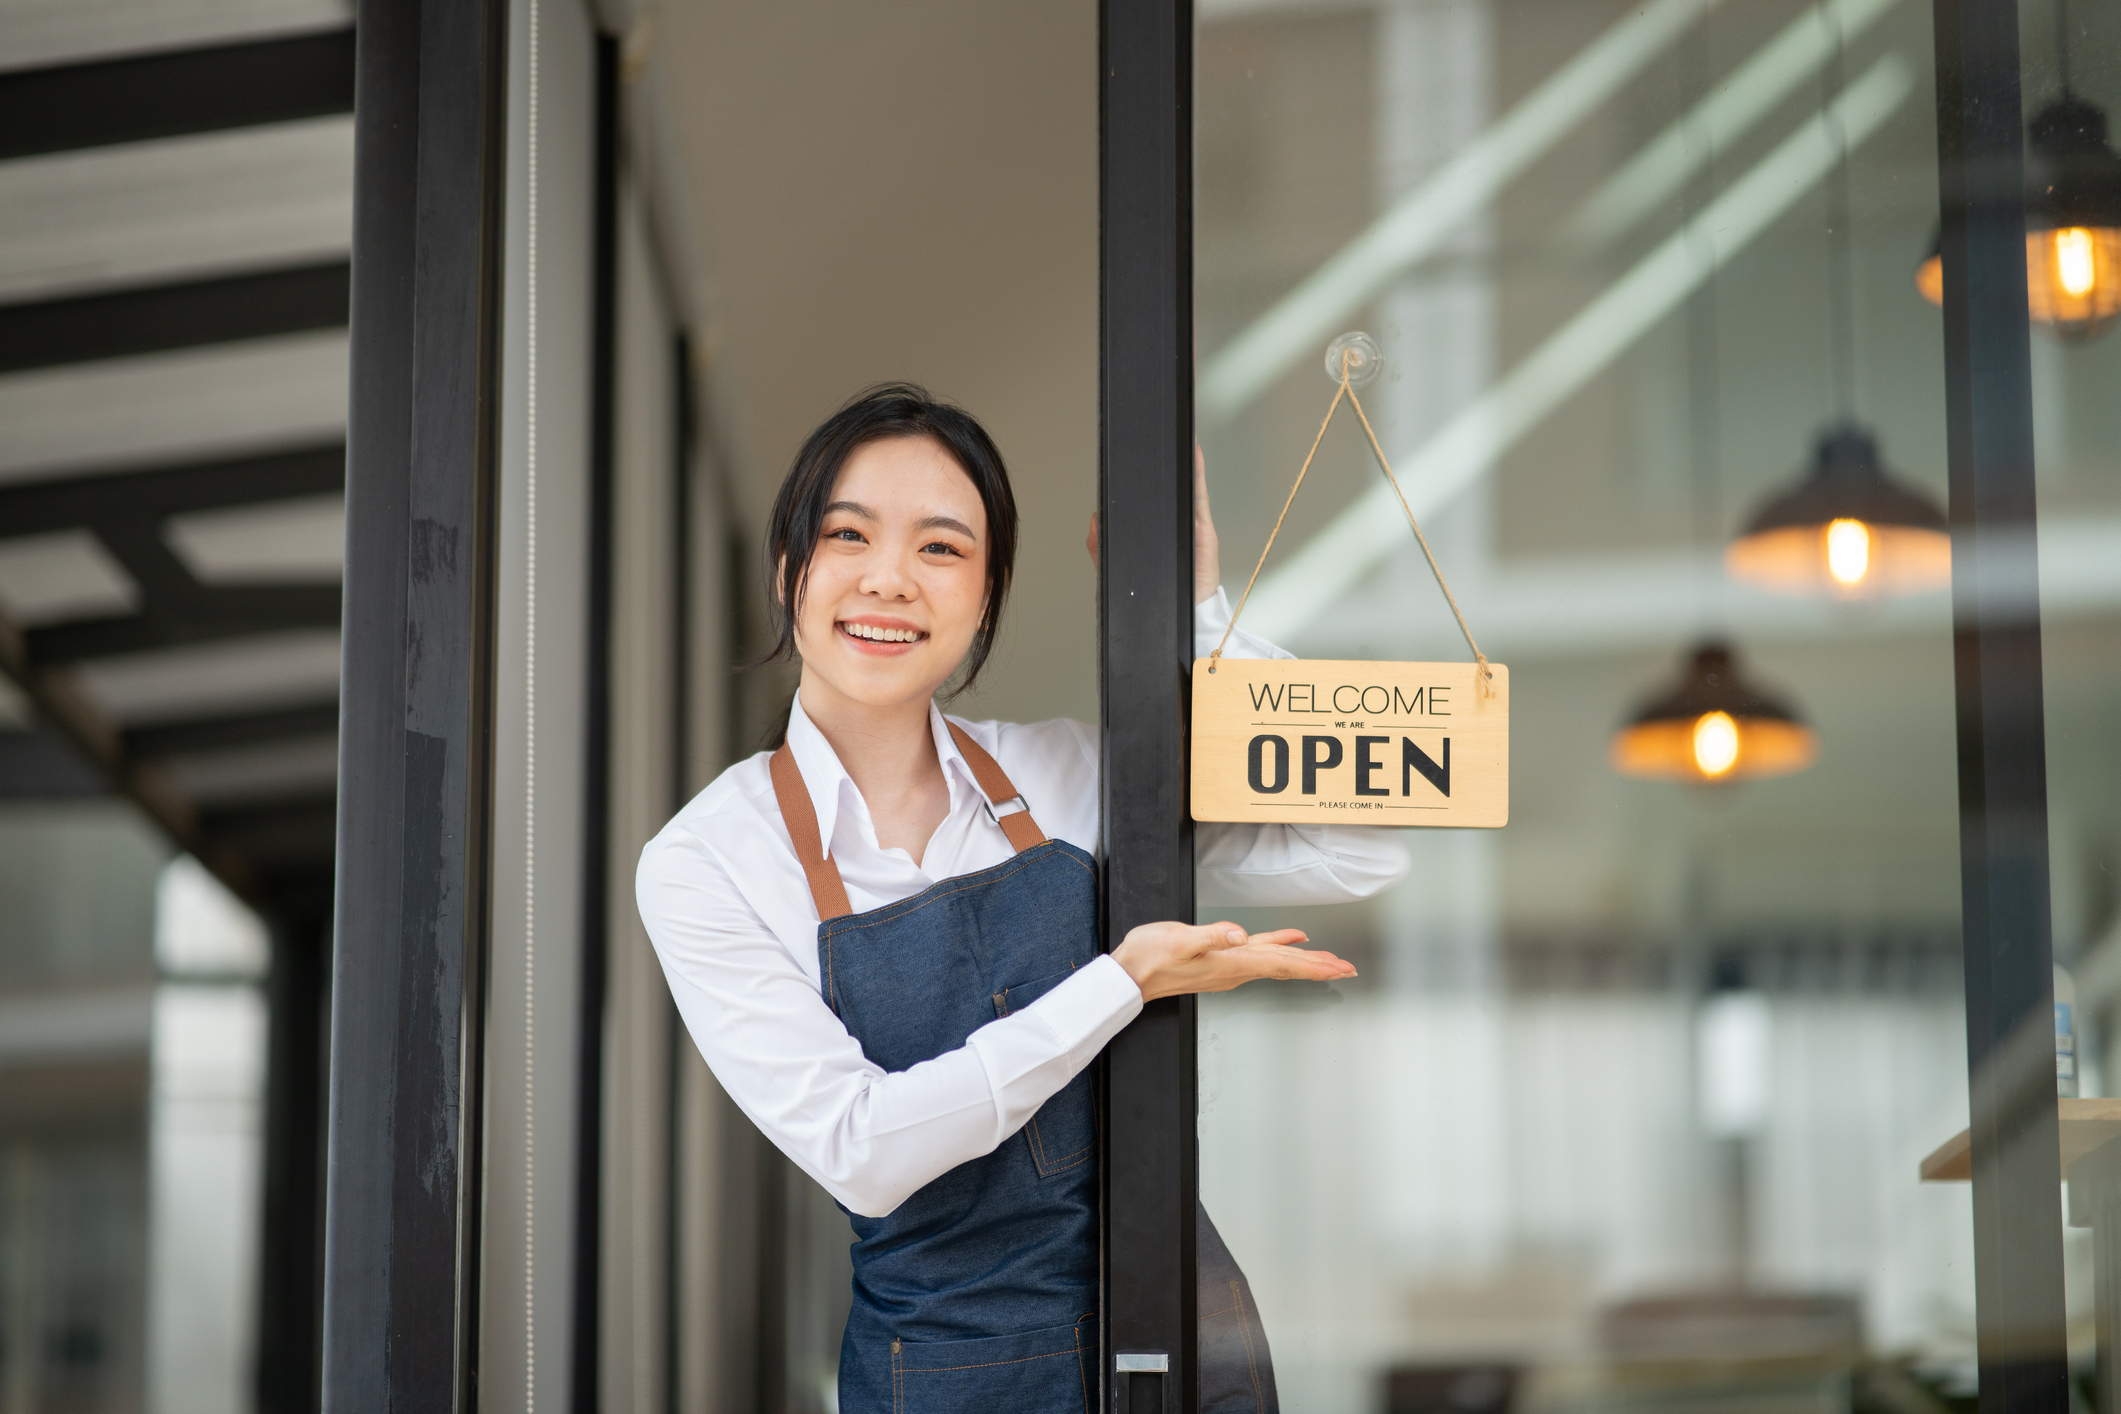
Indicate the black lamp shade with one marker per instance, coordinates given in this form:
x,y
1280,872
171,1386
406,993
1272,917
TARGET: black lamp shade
x,y
1713,726
1848,529
2072,225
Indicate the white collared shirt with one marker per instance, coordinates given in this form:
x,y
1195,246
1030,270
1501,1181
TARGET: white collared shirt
x,y
729,910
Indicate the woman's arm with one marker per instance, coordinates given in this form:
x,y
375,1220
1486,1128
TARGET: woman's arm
x,y
1272,864
1283,864
869,1136
872,1137
1269,864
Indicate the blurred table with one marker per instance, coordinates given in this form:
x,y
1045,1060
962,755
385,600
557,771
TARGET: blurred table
x,y
2086,1124
2091,1162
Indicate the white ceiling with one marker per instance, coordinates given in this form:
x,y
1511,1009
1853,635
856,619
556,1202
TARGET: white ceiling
x,y
277,541
175,208
247,674
223,398
36,33
47,579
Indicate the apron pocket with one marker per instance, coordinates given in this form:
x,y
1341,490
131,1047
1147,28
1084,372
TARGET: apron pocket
x,y
1061,1134
1051,1371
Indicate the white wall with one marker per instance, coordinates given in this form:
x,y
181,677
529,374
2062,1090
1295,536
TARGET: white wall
x,y
910,192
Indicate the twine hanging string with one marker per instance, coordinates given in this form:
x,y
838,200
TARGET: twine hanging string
x,y
1486,679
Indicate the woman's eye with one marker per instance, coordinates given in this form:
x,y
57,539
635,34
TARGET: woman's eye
x,y
940,547
846,533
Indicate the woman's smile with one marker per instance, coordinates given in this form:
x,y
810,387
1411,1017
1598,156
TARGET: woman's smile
x,y
883,637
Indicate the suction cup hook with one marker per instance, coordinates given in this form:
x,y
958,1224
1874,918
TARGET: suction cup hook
x,y
1364,360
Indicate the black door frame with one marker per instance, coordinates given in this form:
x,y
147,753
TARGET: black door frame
x,y
1149,1156
1145,654
415,739
2003,869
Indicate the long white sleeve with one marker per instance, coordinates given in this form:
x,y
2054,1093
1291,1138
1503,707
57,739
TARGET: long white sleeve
x,y
1283,864
870,1137
727,907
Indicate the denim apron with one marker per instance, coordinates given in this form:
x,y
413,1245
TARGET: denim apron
x,y
979,1292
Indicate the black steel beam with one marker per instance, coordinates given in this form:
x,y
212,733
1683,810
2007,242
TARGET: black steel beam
x,y
214,615
1145,583
175,608
275,834
155,318
292,1255
37,765
63,706
408,970
176,92
166,739
167,587
2020,1323
154,493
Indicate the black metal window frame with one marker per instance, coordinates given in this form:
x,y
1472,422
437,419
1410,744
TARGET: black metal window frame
x,y
1149,1156
402,1201
2002,739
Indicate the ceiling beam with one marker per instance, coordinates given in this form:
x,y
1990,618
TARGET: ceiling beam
x,y
62,705
281,853
71,502
180,738
279,834
175,93
157,318
36,765
217,614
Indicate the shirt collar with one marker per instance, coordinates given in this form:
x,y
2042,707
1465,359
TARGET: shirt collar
x,y
825,778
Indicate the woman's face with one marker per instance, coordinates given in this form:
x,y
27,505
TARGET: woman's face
x,y
899,578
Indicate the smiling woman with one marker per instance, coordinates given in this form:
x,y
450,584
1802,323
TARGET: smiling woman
x,y
891,444
895,970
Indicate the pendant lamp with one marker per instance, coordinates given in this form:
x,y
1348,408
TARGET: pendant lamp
x,y
1712,727
2072,217
1847,529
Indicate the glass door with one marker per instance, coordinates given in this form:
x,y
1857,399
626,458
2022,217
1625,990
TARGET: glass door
x,y
1716,1076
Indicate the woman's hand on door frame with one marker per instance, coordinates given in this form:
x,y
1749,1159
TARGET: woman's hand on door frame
x,y
1207,550
1173,959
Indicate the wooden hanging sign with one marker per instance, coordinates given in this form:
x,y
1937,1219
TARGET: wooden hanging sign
x,y
1316,741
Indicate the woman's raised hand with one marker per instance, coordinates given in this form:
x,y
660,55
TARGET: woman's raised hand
x,y
1172,959
1207,551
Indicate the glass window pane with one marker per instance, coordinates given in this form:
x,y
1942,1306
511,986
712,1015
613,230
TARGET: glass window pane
x,y
1629,1102
2071,73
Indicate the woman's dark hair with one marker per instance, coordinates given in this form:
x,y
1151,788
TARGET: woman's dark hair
x,y
873,415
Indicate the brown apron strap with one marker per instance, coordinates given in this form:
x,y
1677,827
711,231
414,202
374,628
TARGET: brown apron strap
x,y
1022,830
826,888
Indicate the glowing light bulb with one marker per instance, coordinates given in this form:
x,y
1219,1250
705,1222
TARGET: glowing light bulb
x,y
1848,551
2074,265
1715,743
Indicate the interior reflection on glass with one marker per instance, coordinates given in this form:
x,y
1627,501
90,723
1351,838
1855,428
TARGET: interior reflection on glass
x,y
1630,1104
132,1060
